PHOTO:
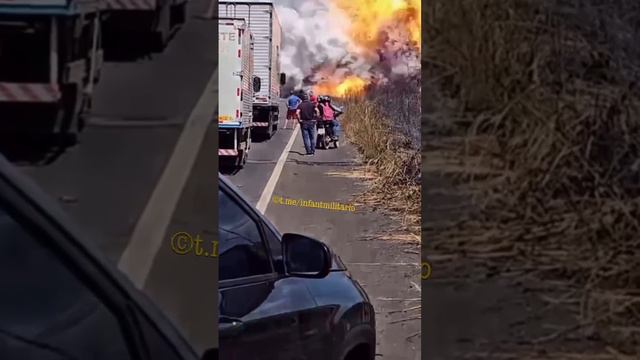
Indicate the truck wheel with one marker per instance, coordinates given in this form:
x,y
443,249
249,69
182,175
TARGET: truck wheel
x,y
241,160
163,29
178,14
183,12
67,116
85,108
245,153
245,156
97,75
99,55
269,133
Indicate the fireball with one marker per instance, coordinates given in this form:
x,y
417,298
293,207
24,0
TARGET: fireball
x,y
390,26
369,18
350,85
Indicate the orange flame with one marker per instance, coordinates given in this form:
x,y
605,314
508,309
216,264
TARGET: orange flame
x,y
369,20
370,17
333,87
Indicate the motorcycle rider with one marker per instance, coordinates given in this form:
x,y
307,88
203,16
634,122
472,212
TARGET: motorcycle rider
x,y
326,114
330,113
313,99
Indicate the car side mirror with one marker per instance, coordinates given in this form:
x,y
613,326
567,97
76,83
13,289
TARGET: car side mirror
x,y
210,354
305,257
257,84
283,78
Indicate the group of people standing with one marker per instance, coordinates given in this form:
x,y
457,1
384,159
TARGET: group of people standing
x,y
308,110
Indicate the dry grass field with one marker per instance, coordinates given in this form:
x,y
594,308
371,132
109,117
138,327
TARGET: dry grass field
x,y
534,110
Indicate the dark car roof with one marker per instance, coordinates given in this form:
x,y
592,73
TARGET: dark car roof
x,y
31,193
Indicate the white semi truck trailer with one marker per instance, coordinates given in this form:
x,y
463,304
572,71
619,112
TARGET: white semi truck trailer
x,y
50,59
262,19
236,86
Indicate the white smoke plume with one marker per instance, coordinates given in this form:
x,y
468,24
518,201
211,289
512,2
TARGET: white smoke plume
x,y
316,44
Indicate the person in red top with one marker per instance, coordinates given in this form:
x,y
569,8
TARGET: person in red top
x,y
315,100
329,112
292,109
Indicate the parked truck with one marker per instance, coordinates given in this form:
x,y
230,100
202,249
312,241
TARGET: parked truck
x,y
265,26
150,22
236,86
50,60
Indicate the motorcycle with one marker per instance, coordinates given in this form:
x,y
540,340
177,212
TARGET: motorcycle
x,y
323,140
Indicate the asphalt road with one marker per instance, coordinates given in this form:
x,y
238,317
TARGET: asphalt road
x,y
262,159
129,181
387,270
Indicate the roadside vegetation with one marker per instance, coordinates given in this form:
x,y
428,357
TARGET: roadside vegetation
x,y
542,127
384,125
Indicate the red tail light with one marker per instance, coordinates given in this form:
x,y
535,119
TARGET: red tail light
x,y
237,113
238,91
239,53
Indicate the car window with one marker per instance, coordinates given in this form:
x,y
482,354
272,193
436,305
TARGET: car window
x,y
274,243
46,311
273,238
275,246
242,252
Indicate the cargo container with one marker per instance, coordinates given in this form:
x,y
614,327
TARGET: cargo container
x,y
236,86
265,26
